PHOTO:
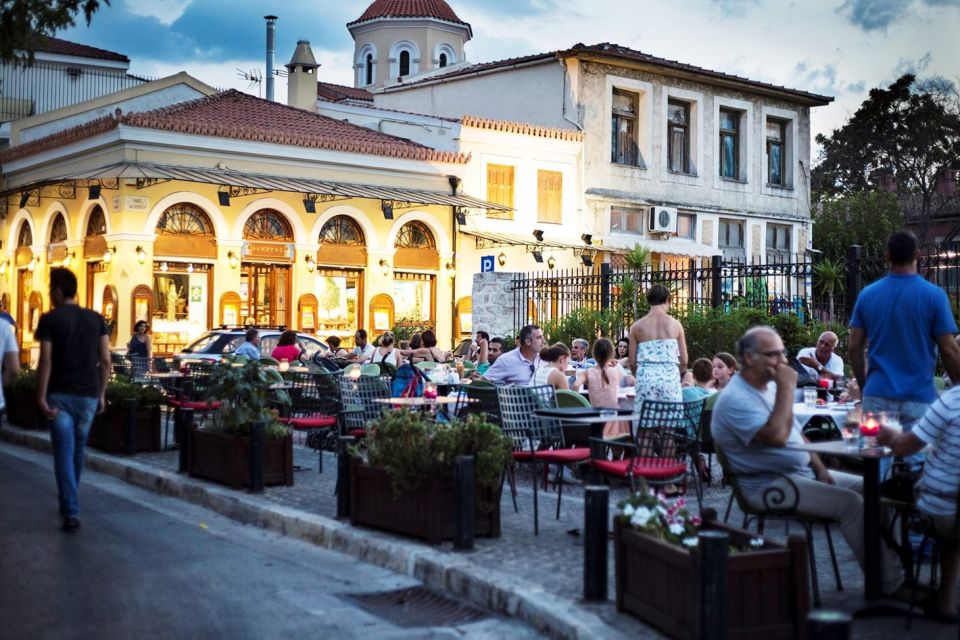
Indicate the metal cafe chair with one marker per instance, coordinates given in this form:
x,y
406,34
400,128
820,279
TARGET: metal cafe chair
x,y
189,392
357,404
314,408
664,439
537,441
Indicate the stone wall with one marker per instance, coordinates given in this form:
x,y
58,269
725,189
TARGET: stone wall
x,y
493,309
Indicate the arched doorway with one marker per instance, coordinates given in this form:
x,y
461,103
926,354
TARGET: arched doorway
x,y
338,280
25,263
416,262
94,247
265,283
185,252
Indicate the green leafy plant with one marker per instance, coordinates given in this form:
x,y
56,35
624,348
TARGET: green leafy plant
x,y
828,279
244,389
23,387
410,448
638,257
119,391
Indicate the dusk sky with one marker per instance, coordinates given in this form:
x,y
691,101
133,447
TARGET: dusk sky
x,y
840,48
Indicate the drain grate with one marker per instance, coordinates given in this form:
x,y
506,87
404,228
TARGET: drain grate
x,y
416,607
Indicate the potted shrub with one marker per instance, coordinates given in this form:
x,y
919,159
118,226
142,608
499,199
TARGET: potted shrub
x,y
657,572
406,485
220,450
21,398
126,428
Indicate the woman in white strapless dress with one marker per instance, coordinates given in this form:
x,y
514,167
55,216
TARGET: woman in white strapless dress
x,y
658,351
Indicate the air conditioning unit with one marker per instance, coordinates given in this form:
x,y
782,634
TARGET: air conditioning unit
x,y
662,220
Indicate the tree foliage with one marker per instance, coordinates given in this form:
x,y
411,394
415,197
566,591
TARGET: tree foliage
x,y
25,23
911,131
864,219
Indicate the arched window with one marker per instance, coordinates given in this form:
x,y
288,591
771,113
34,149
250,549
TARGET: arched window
x,y
368,69
365,65
58,230
97,224
185,220
444,55
25,237
415,235
342,230
267,224
404,59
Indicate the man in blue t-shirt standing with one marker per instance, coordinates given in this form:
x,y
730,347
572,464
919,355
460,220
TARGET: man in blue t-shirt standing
x,y
900,321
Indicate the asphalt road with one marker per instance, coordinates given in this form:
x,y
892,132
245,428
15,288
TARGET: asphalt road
x,y
148,566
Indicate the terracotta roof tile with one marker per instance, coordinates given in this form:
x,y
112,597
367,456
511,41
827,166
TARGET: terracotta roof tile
x,y
522,128
609,51
66,48
235,115
408,9
339,92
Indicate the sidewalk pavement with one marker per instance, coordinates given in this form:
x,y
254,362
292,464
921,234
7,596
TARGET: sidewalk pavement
x,y
536,579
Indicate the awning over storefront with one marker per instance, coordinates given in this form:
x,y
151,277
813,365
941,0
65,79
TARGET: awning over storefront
x,y
487,239
673,247
153,173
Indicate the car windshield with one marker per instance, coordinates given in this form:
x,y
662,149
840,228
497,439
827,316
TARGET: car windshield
x,y
203,343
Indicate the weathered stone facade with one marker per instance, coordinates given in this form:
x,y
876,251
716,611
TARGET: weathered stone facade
x,y
493,306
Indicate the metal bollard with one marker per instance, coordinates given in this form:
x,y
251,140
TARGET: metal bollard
x,y
712,550
827,624
466,493
256,457
595,524
343,476
182,426
129,425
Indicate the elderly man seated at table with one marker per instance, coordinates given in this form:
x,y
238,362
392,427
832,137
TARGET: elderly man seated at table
x,y
821,361
518,365
579,358
937,490
753,425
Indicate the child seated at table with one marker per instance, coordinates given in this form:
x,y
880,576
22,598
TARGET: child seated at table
x,y
603,380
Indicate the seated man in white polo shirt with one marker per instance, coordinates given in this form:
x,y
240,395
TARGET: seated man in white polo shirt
x,y
821,361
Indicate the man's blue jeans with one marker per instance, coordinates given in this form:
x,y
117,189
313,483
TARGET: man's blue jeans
x,y
68,434
910,414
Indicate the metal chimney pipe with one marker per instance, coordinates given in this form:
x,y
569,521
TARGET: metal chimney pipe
x,y
271,37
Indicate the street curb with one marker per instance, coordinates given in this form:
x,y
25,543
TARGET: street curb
x,y
441,570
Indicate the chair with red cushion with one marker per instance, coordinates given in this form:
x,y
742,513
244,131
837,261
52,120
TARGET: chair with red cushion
x,y
314,407
190,392
537,441
357,402
660,452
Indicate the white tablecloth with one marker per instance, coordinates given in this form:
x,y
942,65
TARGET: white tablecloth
x,y
834,411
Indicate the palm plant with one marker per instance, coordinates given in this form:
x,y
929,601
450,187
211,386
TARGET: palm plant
x,y
828,278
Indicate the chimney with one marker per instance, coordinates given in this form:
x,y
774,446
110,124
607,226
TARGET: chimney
x,y
885,180
947,182
302,78
271,38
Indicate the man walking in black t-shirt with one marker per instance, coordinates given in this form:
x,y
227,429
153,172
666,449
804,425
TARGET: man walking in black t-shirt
x,y
71,380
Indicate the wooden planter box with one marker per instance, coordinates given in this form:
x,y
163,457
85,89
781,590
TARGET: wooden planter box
x,y
426,512
24,411
767,590
226,458
109,431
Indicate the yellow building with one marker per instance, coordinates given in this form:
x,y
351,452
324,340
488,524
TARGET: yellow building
x,y
193,209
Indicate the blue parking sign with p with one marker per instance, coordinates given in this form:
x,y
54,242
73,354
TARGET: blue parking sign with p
x,y
486,264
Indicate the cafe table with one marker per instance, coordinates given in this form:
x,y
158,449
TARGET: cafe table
x,y
588,416
836,412
872,526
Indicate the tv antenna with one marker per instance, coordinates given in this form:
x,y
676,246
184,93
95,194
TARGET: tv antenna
x,y
253,76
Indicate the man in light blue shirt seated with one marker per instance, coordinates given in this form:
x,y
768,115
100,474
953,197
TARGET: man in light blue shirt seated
x,y
518,365
579,349
251,345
